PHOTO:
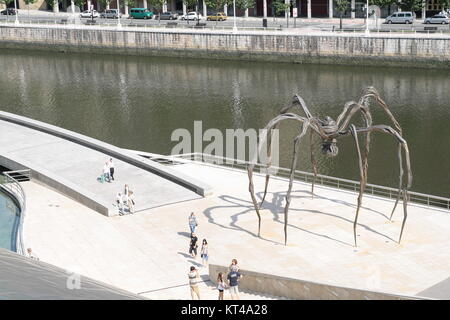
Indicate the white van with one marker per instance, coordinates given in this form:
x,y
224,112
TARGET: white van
x,y
400,17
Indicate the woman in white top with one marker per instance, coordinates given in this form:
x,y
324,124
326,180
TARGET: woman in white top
x,y
221,286
204,253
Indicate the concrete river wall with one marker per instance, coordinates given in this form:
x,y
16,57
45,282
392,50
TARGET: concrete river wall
x,y
324,48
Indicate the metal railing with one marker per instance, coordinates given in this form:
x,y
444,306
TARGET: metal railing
x,y
11,183
339,183
125,23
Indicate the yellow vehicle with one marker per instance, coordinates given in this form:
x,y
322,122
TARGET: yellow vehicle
x,y
219,16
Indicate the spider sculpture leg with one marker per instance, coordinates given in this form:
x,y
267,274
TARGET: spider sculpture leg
x,y
269,162
269,126
362,181
291,179
313,162
404,146
400,160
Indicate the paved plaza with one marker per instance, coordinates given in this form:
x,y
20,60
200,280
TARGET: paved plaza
x,y
147,252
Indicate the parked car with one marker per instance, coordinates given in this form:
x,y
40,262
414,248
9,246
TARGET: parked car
x,y
8,11
191,16
141,13
400,17
438,18
220,16
168,16
111,14
89,14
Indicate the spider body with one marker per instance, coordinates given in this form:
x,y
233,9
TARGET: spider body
x,y
329,130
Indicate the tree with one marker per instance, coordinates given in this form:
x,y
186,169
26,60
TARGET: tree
x,y
382,3
158,4
80,3
410,5
246,4
28,2
342,7
104,3
445,4
192,3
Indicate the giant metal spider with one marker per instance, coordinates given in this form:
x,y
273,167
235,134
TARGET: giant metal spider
x,y
329,131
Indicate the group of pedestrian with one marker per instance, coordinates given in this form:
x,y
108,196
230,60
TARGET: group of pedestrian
x,y
233,278
108,171
125,199
193,246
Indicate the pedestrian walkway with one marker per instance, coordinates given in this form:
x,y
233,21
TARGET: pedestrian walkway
x,y
147,252
77,167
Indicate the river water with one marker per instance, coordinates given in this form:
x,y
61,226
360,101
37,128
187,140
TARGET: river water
x,y
137,102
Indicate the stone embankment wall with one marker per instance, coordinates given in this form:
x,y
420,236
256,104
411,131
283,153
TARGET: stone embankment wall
x,y
330,48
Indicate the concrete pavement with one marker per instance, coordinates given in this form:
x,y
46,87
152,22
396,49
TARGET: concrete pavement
x,y
148,252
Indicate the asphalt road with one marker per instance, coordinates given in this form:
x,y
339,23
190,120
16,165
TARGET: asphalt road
x,y
324,24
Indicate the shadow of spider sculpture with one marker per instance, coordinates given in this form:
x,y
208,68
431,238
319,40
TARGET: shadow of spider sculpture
x,y
329,132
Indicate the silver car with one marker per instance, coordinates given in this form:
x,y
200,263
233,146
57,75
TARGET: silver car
x,y
400,17
111,14
438,18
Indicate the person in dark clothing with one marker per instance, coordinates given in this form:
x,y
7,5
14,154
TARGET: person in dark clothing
x,y
193,245
233,279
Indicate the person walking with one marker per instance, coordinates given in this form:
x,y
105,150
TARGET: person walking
x,y
233,281
111,168
106,172
204,253
234,265
31,255
193,245
119,202
221,285
192,222
131,202
193,282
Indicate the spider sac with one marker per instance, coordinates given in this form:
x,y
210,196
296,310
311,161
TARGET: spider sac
x,y
329,146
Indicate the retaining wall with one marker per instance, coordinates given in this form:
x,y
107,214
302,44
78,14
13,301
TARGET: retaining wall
x,y
301,289
326,48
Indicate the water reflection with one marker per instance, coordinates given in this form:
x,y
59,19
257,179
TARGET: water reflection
x,y
137,102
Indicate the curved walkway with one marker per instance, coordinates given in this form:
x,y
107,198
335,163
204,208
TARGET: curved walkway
x,y
71,163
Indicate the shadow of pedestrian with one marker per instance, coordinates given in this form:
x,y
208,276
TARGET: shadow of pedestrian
x,y
184,234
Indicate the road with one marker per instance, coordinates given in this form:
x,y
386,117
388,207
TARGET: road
x,y
251,22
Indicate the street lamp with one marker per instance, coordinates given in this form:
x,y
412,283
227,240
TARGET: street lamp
x,y
118,15
234,17
17,12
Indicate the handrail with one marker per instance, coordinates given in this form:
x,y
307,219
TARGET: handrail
x,y
13,186
339,183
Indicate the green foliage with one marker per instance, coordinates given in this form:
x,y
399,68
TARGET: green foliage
x,y
245,4
382,3
342,6
280,6
410,5
28,2
129,3
79,3
158,4
6,2
104,3
51,3
217,5
445,3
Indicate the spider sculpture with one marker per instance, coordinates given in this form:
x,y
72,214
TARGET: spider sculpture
x,y
329,131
